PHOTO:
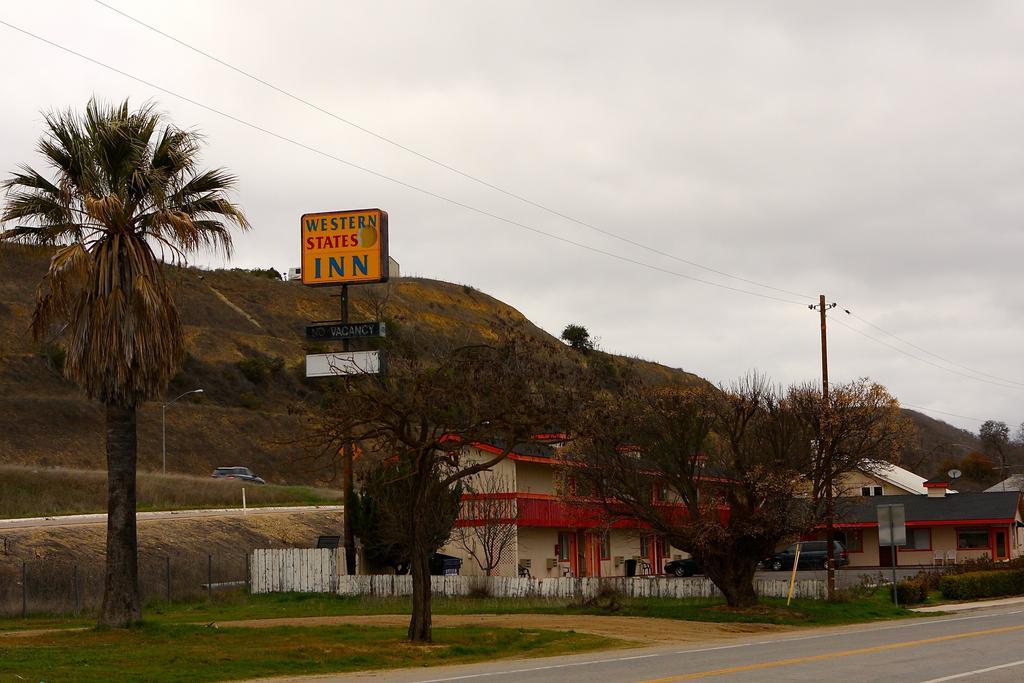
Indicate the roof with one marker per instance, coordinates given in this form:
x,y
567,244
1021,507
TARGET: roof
x,y
1014,483
529,449
897,476
964,507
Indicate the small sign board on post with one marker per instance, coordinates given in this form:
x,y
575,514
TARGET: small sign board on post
x,y
892,525
342,330
343,363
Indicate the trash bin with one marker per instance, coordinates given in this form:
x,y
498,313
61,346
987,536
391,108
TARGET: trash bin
x,y
444,565
630,567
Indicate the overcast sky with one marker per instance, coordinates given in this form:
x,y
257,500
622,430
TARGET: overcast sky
x,y
870,151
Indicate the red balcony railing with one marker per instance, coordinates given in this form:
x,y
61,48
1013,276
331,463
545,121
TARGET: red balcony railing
x,y
540,510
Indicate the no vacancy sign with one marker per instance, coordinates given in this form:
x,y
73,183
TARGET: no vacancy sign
x,y
344,247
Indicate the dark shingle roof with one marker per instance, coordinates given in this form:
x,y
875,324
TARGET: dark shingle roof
x,y
533,449
918,508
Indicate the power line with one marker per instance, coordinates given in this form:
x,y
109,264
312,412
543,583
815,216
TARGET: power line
x,y
933,355
924,360
391,179
441,164
943,412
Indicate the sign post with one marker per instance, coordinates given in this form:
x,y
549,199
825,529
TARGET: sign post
x,y
342,248
892,531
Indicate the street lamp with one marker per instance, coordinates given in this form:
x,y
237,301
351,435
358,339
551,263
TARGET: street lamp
x,y
163,421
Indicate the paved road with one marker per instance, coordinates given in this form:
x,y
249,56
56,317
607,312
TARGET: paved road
x,y
977,647
74,520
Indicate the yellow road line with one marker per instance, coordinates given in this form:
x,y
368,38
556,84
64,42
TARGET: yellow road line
x,y
832,655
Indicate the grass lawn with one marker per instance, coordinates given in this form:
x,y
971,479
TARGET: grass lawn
x,y
771,611
239,606
179,652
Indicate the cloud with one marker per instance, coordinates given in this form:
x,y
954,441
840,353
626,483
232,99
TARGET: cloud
x,y
871,151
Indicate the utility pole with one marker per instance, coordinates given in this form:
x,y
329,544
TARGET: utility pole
x,y
825,455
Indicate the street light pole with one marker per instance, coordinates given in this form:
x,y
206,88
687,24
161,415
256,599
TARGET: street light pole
x,y
163,422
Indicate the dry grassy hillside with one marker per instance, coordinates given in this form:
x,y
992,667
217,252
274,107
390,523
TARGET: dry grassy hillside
x,y
245,349
193,549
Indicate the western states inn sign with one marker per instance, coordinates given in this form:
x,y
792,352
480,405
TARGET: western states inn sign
x,y
345,247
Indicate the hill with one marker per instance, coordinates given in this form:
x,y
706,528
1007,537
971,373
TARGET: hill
x,y
938,442
246,347
245,339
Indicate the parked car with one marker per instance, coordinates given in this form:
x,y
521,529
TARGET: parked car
x,y
241,473
440,565
813,555
684,567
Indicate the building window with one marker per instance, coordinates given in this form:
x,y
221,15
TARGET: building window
x,y
852,539
971,539
870,490
659,493
563,546
921,539
665,548
644,546
606,546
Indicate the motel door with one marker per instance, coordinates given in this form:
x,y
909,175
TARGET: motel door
x,y
999,544
884,556
590,554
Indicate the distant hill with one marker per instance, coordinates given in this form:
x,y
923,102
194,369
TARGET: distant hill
x,y
245,337
938,441
246,344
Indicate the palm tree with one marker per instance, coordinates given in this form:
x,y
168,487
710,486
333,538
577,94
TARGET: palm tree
x,y
125,196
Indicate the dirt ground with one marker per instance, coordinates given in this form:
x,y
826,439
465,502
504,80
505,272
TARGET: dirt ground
x,y
638,629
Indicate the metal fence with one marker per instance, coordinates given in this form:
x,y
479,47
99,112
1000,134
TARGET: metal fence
x,y
57,586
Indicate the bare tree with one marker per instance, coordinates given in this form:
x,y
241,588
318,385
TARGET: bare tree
x,y
726,464
995,438
860,427
423,413
487,525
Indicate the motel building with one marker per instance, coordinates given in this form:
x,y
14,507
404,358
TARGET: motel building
x,y
554,536
557,535
943,526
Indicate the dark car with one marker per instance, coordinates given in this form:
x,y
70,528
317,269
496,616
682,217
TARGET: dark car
x,y
813,555
440,565
240,473
685,567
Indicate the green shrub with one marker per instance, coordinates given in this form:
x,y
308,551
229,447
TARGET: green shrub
x,y
912,591
55,355
269,273
259,368
988,584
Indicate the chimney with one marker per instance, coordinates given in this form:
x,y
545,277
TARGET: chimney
x,y
937,487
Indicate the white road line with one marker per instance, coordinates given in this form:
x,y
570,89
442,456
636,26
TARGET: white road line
x,y
594,662
975,672
540,668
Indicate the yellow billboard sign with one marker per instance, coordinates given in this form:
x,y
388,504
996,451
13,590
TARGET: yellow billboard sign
x,y
344,247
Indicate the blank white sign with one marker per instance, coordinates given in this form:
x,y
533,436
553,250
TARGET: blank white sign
x,y
343,363
896,516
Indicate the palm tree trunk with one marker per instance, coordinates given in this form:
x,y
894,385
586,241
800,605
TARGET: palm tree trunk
x,y
121,586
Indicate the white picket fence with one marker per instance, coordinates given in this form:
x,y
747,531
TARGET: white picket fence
x,y
296,570
322,571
